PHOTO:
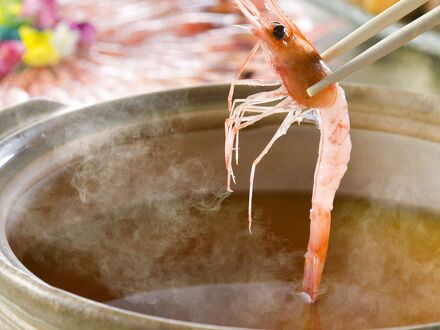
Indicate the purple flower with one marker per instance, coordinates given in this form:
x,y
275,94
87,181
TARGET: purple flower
x,y
87,33
44,12
11,53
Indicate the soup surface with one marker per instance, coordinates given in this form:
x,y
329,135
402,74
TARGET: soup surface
x,y
154,237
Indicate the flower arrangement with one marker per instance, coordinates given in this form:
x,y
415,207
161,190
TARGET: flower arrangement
x,y
33,35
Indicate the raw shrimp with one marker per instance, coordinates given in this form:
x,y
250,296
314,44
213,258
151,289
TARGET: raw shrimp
x,y
298,66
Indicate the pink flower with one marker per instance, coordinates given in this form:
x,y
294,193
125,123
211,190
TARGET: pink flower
x,y
44,12
11,53
87,33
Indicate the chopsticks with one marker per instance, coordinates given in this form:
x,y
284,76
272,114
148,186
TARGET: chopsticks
x,y
372,27
382,48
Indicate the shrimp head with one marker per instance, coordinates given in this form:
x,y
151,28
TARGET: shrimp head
x,y
292,55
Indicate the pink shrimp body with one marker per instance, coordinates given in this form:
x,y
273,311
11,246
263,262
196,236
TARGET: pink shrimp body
x,y
334,154
298,65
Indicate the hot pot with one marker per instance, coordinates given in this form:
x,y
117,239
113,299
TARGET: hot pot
x,y
395,134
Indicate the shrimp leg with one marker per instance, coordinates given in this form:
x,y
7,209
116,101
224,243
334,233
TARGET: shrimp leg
x,y
291,117
257,82
253,100
240,71
234,120
251,105
265,111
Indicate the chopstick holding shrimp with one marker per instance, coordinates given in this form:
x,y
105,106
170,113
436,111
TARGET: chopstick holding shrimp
x,y
298,66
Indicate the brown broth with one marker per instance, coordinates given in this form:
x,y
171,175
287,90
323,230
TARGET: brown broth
x,y
182,252
383,267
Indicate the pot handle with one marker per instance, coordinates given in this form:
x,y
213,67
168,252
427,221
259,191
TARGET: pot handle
x,y
23,114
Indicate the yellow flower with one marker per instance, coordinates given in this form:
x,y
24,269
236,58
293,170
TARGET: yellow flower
x,y
15,9
377,6
39,49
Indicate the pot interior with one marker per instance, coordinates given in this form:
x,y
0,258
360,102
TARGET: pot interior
x,y
135,215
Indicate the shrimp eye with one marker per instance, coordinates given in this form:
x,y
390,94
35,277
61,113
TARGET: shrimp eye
x,y
279,31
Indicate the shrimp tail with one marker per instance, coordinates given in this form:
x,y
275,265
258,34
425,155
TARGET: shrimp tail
x,y
316,251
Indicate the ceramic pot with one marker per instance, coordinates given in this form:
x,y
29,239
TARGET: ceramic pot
x,y
395,134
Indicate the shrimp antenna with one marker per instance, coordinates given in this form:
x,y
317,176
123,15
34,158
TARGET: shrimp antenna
x,y
251,12
273,6
240,26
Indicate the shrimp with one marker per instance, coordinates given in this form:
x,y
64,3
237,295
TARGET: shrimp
x,y
297,65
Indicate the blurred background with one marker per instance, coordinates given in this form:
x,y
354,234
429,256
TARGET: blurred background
x,y
138,46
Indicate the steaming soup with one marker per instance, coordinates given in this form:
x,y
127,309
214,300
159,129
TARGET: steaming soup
x,y
142,223
192,258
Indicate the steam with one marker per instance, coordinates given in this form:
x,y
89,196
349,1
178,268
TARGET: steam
x,y
141,219
383,272
384,264
134,214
